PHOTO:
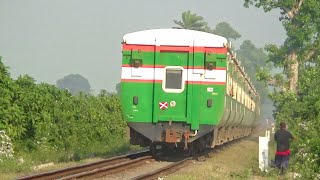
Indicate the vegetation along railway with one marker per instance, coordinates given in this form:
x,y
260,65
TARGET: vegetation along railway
x,y
184,89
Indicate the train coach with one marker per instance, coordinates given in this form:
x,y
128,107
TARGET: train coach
x,y
183,87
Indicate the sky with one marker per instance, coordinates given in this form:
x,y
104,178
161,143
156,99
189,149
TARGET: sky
x,y
49,39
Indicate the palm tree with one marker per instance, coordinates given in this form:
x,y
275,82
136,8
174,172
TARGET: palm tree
x,y
192,21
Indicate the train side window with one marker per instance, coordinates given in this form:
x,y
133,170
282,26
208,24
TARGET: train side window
x,y
230,86
246,100
242,96
234,90
173,80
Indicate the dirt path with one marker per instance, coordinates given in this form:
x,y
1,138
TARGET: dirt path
x,y
234,161
237,161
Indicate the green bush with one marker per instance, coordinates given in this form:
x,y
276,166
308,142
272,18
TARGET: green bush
x,y
42,119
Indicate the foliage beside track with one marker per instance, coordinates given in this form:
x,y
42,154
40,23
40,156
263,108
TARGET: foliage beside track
x,y
296,89
302,113
43,118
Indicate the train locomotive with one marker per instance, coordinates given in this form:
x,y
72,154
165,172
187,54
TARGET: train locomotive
x,y
184,88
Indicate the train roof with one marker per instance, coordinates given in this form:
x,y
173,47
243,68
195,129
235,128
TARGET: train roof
x,y
175,37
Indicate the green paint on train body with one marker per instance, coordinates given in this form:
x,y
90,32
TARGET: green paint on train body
x,y
198,103
192,109
189,106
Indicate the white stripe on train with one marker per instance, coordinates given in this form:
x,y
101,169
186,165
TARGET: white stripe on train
x,y
158,74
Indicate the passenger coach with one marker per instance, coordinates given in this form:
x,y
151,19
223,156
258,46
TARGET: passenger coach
x,y
179,86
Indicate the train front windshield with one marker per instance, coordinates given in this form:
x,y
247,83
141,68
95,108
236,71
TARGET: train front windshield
x,y
173,79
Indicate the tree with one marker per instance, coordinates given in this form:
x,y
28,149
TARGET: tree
x,y
301,21
74,83
3,71
118,88
252,58
41,118
224,29
192,21
11,115
296,94
196,22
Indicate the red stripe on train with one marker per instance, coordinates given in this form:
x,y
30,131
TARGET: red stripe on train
x,y
205,82
141,80
160,81
161,66
145,66
149,48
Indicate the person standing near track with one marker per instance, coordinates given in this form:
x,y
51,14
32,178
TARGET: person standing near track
x,y
282,137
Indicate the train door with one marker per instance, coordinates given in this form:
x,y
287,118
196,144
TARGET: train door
x,y
170,92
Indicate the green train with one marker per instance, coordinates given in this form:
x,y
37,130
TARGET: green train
x,y
183,88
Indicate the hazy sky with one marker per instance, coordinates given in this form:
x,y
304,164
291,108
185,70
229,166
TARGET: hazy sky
x,y
49,39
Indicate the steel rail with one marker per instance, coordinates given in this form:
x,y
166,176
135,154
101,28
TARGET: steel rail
x,y
85,167
100,172
165,170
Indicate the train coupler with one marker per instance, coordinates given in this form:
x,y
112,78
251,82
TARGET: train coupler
x,y
172,136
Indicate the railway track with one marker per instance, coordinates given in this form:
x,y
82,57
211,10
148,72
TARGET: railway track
x,y
165,170
96,169
122,163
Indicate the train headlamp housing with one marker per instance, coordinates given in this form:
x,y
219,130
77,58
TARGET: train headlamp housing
x,y
136,63
210,65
